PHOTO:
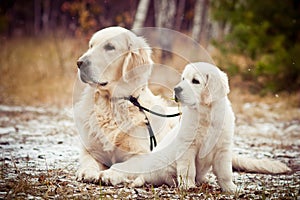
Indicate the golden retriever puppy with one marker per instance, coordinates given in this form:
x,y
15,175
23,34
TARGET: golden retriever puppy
x,y
117,65
203,140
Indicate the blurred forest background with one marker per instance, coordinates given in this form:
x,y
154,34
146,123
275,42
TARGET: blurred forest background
x,y
257,42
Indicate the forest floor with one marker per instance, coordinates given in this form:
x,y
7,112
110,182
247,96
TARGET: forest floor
x,y
40,150
39,146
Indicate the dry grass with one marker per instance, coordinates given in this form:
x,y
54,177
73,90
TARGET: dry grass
x,y
37,71
61,184
284,105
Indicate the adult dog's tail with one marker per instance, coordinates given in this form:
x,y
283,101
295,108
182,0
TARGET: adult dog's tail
x,y
265,166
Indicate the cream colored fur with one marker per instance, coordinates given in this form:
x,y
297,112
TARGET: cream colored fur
x,y
117,64
203,139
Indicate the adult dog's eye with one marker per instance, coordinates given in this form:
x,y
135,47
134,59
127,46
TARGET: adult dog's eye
x,y
195,81
109,47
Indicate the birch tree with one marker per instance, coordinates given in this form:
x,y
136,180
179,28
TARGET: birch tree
x,y
165,17
180,14
200,22
165,13
141,14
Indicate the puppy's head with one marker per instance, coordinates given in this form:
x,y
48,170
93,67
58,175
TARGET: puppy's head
x,y
202,83
112,53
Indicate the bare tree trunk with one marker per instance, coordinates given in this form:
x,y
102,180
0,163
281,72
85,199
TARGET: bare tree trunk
x,y
54,15
197,21
179,17
164,17
217,29
200,21
165,13
46,15
141,14
37,16
204,22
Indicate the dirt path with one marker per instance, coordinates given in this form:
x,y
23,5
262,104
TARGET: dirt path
x,y
39,158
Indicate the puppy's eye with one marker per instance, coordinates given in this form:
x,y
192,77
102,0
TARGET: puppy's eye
x,y
195,81
109,47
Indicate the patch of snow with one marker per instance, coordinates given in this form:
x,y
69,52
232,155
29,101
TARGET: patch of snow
x,y
39,110
260,129
247,106
293,130
5,130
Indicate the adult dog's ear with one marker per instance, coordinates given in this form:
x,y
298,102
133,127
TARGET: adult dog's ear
x,y
138,55
216,87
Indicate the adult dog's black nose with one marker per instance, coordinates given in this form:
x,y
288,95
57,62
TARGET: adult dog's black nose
x,y
79,63
177,89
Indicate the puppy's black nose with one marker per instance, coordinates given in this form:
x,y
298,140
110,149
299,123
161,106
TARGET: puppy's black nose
x,y
177,89
79,63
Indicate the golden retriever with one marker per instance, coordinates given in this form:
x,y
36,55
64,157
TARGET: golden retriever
x,y
204,138
118,65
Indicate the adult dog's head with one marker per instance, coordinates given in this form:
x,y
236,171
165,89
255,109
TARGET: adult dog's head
x,y
114,55
202,83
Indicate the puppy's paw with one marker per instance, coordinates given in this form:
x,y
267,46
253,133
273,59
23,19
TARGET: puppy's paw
x,y
88,175
229,187
202,179
186,183
138,182
111,177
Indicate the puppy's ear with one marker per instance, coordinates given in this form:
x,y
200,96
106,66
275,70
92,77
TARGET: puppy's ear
x,y
216,87
138,55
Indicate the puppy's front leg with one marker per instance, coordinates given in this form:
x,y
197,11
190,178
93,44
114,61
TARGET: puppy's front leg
x,y
113,177
186,169
222,168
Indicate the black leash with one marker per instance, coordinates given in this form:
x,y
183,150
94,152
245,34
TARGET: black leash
x,y
135,102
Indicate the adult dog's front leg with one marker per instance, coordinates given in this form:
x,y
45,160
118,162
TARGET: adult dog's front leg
x,y
186,169
89,169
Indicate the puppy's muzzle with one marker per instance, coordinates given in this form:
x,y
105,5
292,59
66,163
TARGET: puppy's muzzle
x,y
177,91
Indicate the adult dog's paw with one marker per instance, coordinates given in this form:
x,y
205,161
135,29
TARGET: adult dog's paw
x,y
88,175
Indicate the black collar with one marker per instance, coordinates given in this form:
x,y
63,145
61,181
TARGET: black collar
x,y
135,102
